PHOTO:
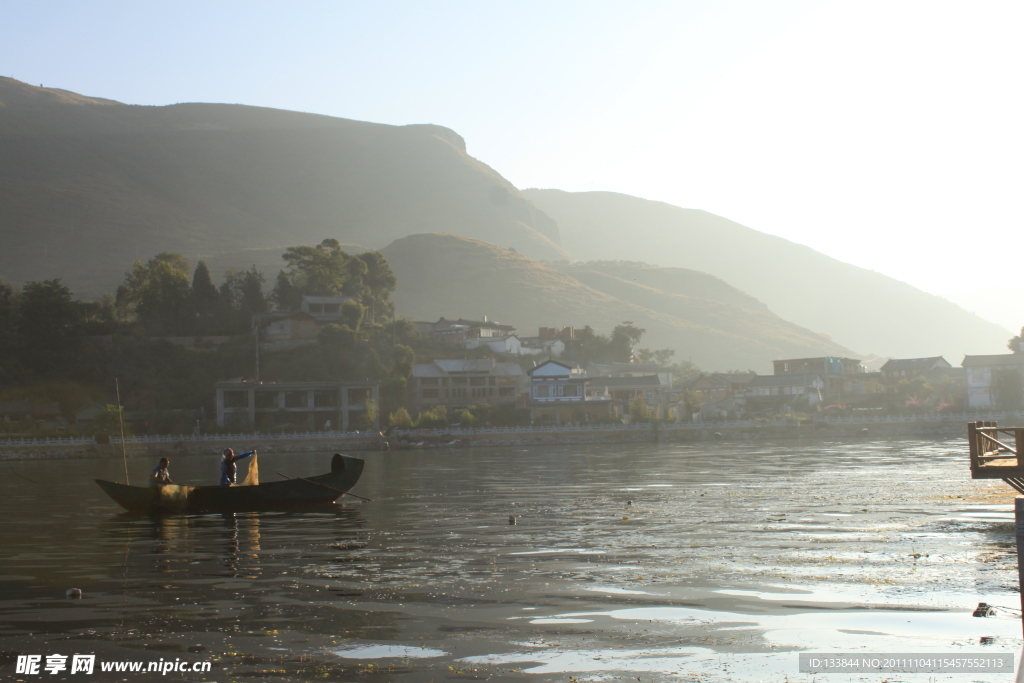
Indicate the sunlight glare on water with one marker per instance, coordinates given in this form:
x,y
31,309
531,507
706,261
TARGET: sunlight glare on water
x,y
722,572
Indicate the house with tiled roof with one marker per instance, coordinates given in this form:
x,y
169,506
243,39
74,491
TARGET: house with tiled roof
x,y
455,384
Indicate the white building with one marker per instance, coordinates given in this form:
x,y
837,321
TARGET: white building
x,y
507,344
984,374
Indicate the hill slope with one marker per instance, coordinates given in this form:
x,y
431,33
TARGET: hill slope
x,y
87,185
860,309
704,319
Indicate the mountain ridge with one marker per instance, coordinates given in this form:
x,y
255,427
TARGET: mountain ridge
x,y
452,276
860,309
88,186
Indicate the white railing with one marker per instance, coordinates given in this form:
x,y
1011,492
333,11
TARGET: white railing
x,y
241,437
49,441
180,438
720,424
1005,418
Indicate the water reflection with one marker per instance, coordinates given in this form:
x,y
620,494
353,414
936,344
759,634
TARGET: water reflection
x,y
647,547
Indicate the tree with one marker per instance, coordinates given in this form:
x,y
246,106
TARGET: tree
x,y
352,314
338,338
404,360
8,330
692,401
624,338
49,326
110,420
370,412
589,346
159,294
1016,344
433,419
205,297
326,270
380,282
323,270
286,296
638,410
243,291
400,419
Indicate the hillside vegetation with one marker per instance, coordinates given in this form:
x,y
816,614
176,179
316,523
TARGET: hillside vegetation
x,y
87,185
861,309
704,319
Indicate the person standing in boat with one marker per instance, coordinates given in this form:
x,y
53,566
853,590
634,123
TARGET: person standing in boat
x,y
228,469
160,476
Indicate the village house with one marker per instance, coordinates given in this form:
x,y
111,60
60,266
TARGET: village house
x,y
538,346
559,392
458,384
326,308
630,370
624,390
304,405
717,386
721,394
775,392
457,332
295,330
509,344
897,370
993,380
42,414
86,416
843,377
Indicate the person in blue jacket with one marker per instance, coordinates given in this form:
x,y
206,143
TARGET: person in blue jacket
x,y
228,469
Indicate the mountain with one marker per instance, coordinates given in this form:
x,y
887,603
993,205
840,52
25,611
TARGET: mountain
x,y
703,318
87,185
860,309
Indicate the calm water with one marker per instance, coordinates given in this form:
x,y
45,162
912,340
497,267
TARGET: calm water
x,y
710,562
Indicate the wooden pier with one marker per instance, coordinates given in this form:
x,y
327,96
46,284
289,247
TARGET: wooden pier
x,y
996,453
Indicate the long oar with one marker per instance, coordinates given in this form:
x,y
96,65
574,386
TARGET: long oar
x,y
329,488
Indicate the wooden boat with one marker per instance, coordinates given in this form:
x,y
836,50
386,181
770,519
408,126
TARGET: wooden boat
x,y
276,495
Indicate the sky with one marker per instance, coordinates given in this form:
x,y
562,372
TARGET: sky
x,y
885,134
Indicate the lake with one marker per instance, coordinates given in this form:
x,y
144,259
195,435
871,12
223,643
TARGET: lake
x,y
712,562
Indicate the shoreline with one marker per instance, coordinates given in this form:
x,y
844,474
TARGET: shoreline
x,y
495,439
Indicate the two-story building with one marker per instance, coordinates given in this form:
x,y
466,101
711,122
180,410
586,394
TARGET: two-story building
x,y
624,390
538,346
994,381
897,370
559,392
296,329
508,345
305,405
324,308
775,392
843,377
464,383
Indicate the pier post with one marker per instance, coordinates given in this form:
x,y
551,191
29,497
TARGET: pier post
x,y
1018,511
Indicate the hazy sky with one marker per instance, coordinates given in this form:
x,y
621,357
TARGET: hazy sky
x,y
885,134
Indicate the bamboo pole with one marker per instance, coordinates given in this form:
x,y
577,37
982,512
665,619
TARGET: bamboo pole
x,y
120,419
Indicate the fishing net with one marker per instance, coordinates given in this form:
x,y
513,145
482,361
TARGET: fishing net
x,y
252,477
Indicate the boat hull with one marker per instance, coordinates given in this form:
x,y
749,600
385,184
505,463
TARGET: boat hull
x,y
275,495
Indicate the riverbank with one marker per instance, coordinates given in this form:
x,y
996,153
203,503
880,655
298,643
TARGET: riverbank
x,y
167,446
487,438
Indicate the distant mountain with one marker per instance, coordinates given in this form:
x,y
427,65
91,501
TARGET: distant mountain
x,y
704,319
860,309
87,185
